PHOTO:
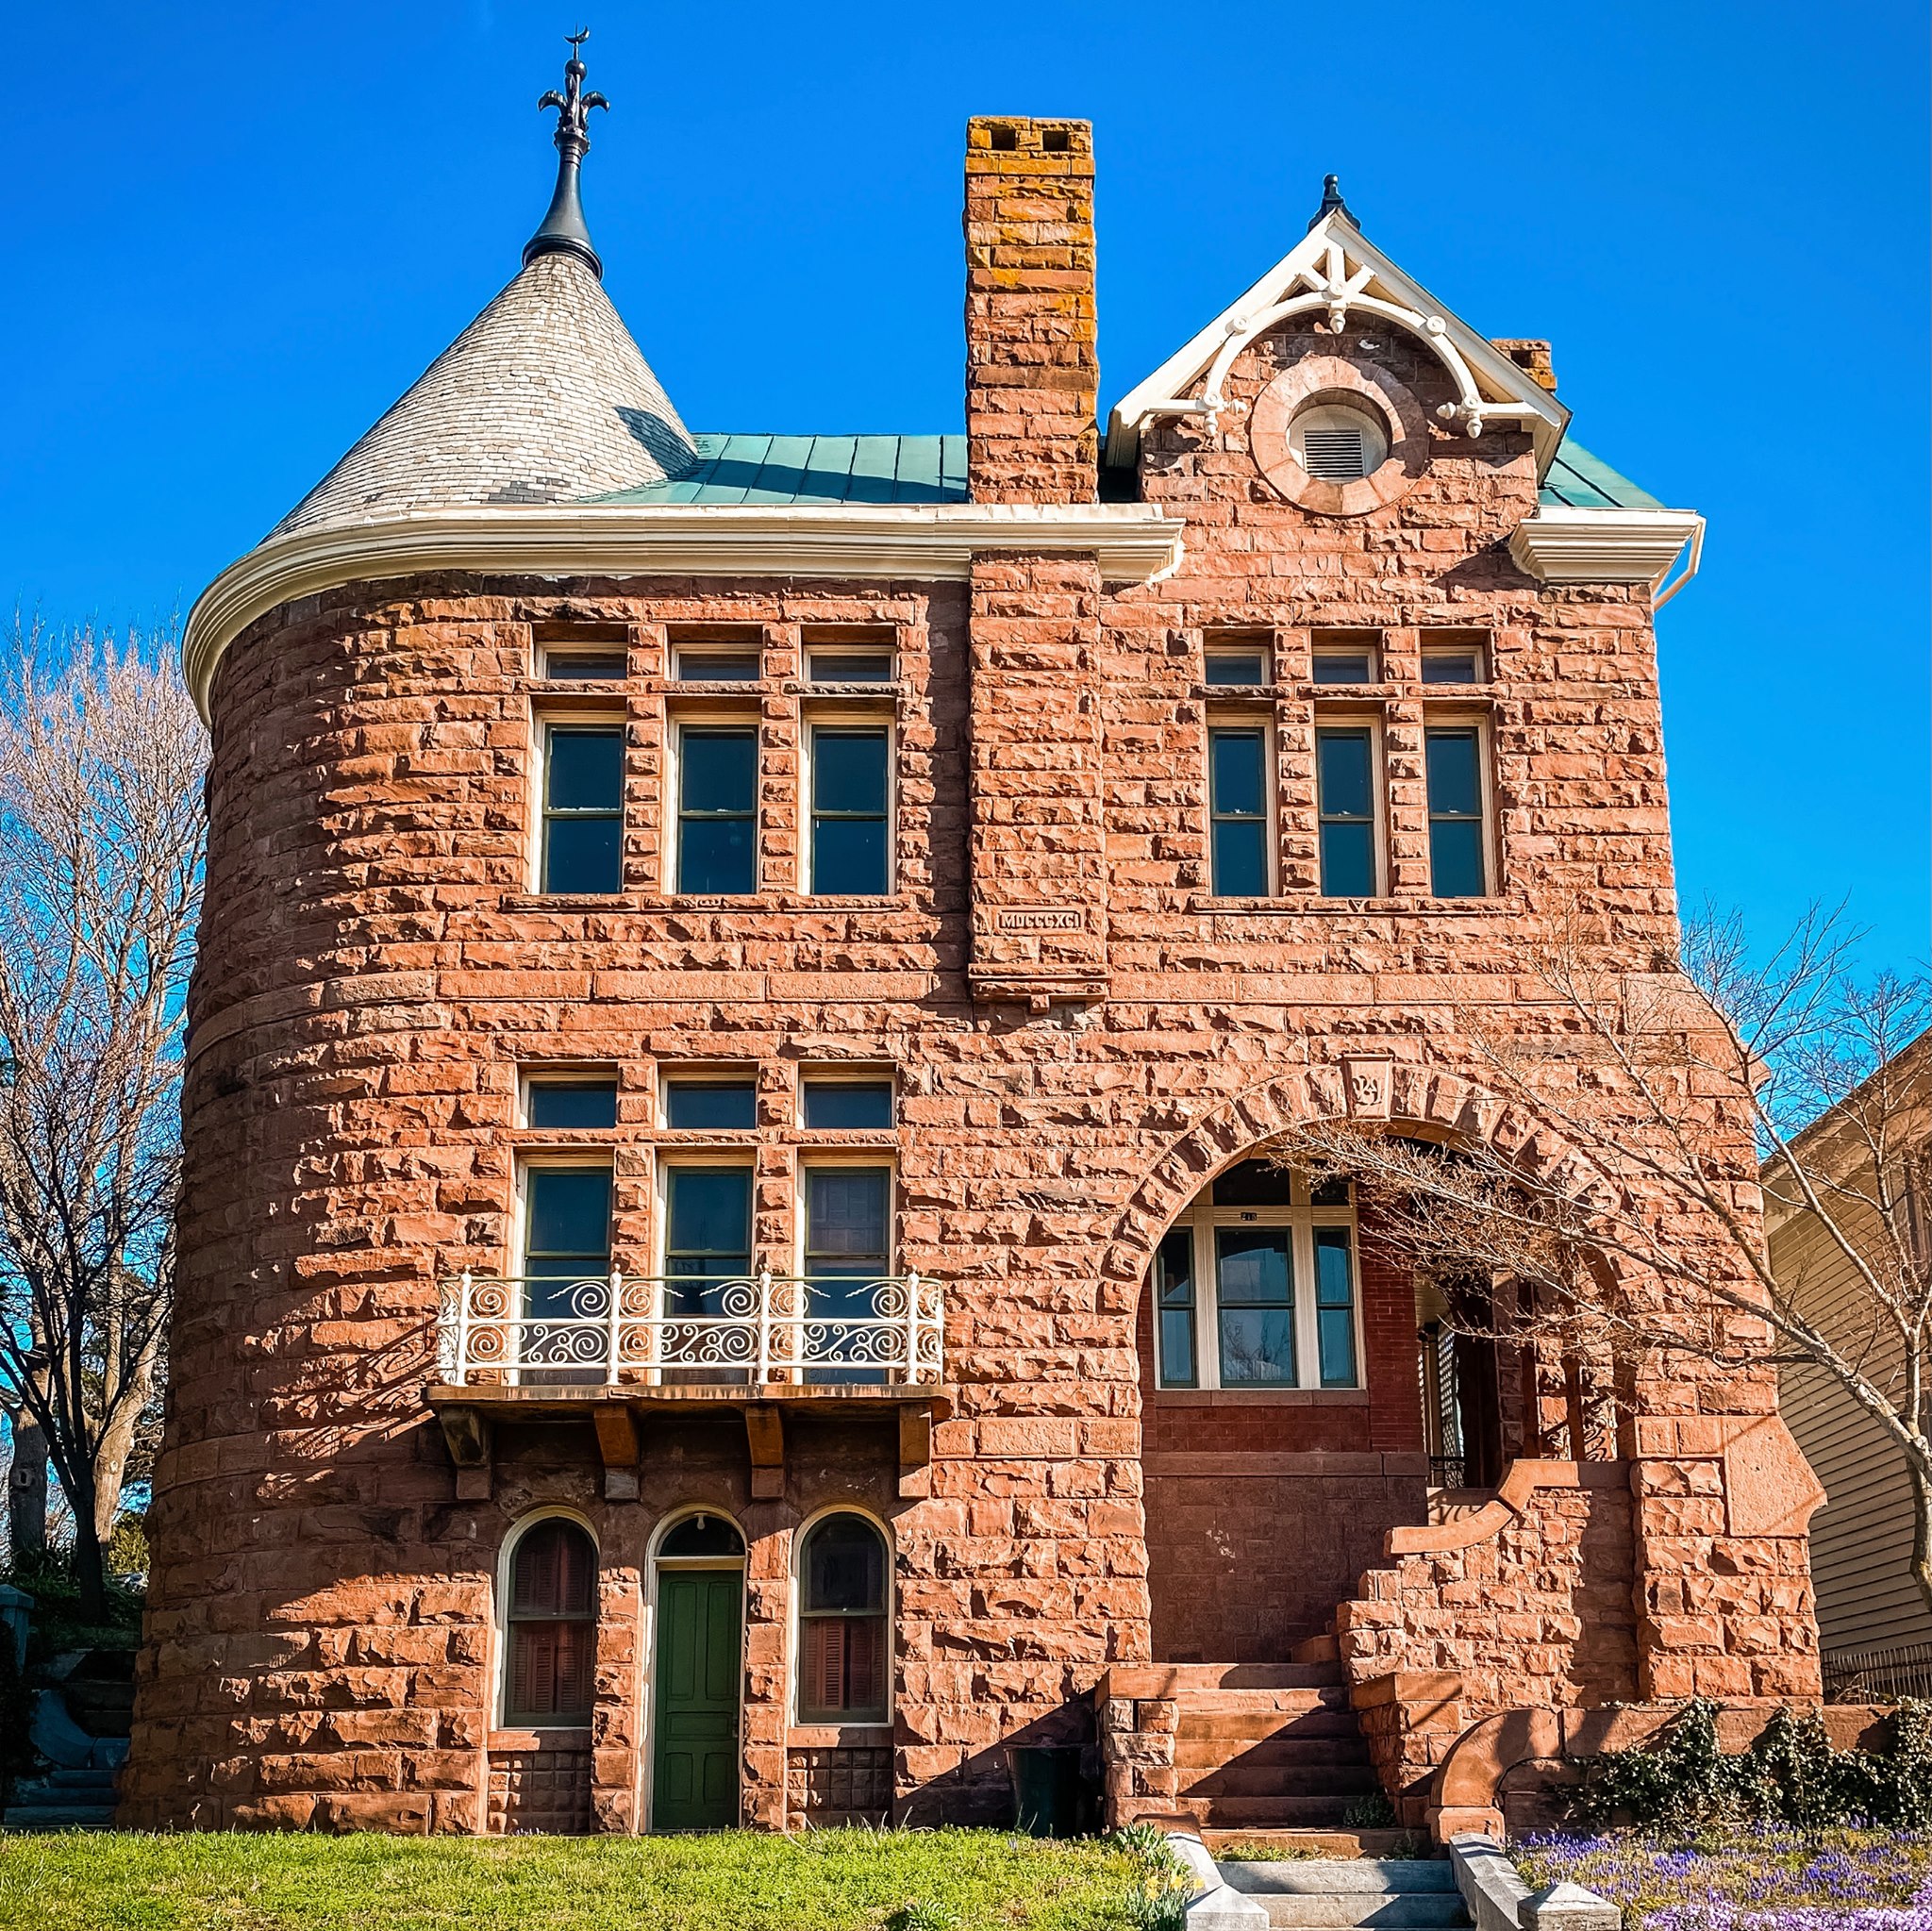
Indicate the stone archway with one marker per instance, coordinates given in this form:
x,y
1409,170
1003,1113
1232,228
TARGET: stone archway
x,y
1264,1506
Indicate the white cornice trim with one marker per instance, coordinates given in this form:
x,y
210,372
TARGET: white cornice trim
x,y
921,543
1558,545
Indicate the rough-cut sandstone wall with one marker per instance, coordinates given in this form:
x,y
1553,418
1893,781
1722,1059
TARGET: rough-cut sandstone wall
x,y
322,1628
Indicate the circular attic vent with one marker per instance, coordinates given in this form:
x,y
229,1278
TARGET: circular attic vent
x,y
1338,444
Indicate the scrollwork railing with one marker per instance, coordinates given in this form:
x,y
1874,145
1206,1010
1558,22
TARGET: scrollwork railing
x,y
604,1329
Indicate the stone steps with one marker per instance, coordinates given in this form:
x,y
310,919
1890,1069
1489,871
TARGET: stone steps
x,y
1379,1892
1323,1720
1274,1810
63,1800
1240,1778
1341,1745
1262,1703
1270,1745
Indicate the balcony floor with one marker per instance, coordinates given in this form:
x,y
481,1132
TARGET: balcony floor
x,y
469,1414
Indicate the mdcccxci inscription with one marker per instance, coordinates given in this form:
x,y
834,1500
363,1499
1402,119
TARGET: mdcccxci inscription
x,y
1042,919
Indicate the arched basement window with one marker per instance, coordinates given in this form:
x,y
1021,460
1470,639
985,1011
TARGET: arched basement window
x,y
552,1626
842,1654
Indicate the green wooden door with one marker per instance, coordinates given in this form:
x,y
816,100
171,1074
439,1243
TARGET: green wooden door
x,y
694,1785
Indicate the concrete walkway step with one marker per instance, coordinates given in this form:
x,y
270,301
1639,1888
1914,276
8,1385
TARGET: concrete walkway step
x,y
1364,1892
1320,1876
1399,1911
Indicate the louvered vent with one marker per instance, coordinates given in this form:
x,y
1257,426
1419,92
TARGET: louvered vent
x,y
1336,456
1338,445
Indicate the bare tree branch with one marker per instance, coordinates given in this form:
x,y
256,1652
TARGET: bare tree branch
x,y
101,759
1656,1251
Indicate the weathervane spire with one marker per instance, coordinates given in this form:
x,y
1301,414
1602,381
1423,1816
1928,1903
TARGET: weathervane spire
x,y
564,231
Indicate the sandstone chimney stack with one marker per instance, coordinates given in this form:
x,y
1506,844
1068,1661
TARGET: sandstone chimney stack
x,y
1032,372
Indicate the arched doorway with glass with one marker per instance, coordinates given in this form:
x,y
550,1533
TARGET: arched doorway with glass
x,y
697,1674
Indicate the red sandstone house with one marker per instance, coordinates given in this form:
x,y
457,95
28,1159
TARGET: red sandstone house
x,y
729,1266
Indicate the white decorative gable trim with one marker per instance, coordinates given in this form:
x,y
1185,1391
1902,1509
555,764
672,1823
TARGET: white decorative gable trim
x,y
1558,546
1332,271
1132,543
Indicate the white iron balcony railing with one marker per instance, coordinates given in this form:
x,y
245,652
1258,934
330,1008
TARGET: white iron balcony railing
x,y
647,1329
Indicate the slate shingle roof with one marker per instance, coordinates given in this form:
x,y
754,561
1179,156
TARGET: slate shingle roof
x,y
544,398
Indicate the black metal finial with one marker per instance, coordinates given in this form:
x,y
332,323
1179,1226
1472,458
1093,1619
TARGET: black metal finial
x,y
564,231
1332,203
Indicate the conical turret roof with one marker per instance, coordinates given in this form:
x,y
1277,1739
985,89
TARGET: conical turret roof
x,y
544,398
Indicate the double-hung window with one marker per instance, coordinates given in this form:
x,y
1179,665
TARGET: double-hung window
x,y
1458,835
581,846
717,810
1258,1288
848,1240
851,809
1238,811
566,1271
1345,808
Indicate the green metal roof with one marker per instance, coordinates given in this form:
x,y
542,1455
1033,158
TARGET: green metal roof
x,y
932,469
1578,480
816,469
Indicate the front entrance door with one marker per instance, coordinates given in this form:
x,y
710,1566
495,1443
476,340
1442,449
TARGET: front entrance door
x,y
694,1784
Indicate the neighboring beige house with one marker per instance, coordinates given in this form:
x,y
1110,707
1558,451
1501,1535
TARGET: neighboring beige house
x,y
1873,1623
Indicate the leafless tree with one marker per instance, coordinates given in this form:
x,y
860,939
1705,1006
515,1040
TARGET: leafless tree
x,y
1646,1242
101,761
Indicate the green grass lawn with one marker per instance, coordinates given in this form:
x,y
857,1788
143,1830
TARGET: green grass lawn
x,y
834,1880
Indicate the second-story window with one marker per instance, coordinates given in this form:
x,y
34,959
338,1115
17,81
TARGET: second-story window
x,y
846,1253
707,1235
851,790
1238,811
1256,1286
582,848
1346,805
1459,839
717,810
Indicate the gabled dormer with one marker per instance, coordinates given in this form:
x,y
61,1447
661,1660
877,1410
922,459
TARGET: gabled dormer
x,y
1334,273
1344,380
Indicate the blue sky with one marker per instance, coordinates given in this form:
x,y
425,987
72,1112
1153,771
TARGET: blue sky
x,y
245,231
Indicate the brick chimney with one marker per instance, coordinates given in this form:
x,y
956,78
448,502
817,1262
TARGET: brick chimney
x,y
1032,373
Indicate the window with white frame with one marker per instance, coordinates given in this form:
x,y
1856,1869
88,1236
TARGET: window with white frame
x,y
1240,792
850,785
1256,1286
581,821
1455,765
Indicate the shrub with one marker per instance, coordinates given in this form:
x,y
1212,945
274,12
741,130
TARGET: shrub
x,y
1791,1774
